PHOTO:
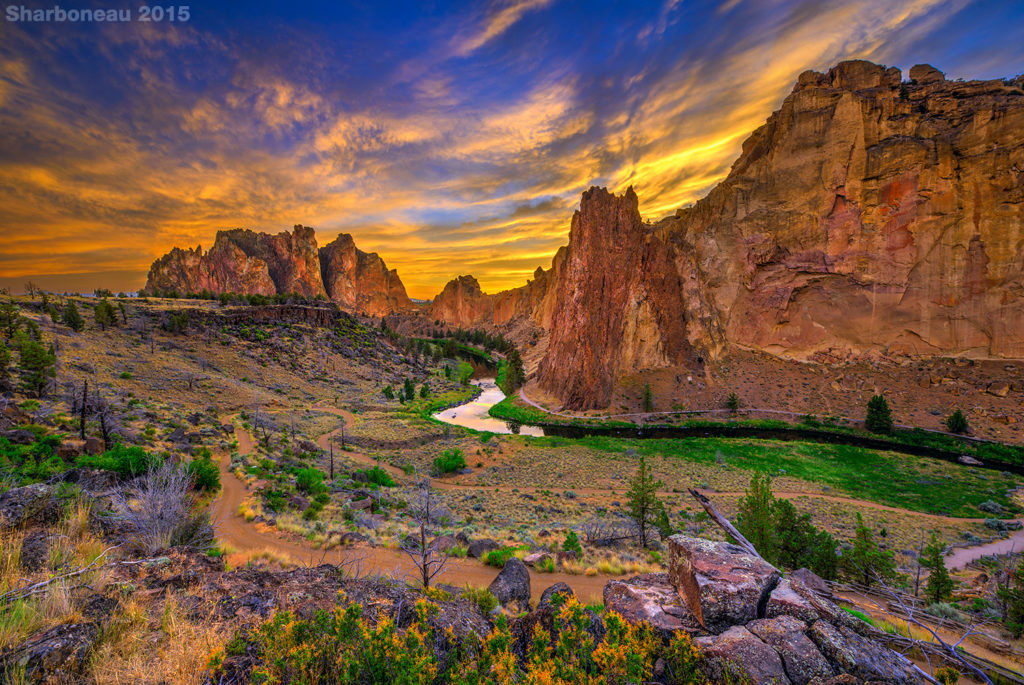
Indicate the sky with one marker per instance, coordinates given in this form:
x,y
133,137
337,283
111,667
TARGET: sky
x,y
451,138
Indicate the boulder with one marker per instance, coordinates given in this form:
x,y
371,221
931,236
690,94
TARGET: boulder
x,y
651,598
478,548
926,73
19,436
860,656
93,445
812,580
512,586
998,388
721,584
29,504
523,628
548,595
536,558
737,653
800,657
792,598
58,655
444,543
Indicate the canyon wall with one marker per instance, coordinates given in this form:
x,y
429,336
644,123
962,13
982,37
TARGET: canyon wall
x,y
243,261
867,216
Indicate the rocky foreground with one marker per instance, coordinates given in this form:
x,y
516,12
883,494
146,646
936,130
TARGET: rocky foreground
x,y
746,618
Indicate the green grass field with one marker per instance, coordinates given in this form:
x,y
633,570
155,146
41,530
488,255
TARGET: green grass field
x,y
916,483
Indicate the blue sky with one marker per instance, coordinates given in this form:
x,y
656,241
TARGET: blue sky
x,y
450,137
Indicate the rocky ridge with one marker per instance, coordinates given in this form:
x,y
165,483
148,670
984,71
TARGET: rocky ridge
x,y
243,261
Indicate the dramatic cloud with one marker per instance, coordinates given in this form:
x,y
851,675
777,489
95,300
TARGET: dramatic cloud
x,y
451,141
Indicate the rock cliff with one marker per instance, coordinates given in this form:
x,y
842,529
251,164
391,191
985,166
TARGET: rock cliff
x,y
243,261
867,215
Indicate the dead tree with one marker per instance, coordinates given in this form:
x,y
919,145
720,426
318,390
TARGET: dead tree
x,y
950,651
426,511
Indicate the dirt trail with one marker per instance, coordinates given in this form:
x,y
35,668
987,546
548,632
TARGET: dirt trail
x,y
249,540
962,556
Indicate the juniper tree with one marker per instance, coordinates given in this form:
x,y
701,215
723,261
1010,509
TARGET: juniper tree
x,y
957,422
939,585
648,398
38,365
643,500
72,318
879,416
865,561
105,314
754,519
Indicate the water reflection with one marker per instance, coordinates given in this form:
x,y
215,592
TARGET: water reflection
x,y
474,414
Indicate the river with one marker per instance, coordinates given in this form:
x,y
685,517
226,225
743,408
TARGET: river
x,y
475,414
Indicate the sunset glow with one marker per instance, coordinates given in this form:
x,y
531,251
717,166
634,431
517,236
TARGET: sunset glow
x,y
451,141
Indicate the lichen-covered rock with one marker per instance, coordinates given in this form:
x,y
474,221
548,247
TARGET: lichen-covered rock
x,y
30,504
722,585
478,548
548,595
59,655
861,656
792,598
737,653
653,599
512,586
800,657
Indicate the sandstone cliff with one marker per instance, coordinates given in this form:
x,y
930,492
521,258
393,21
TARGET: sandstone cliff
x,y
868,215
243,261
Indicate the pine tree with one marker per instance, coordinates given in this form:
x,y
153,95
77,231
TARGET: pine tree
x,y
733,402
10,320
879,416
643,500
105,314
648,399
424,391
865,561
38,366
939,586
72,318
662,522
754,519
410,390
957,422
389,392
5,361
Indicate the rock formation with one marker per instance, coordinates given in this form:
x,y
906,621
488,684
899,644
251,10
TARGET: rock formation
x,y
749,622
867,215
359,281
247,262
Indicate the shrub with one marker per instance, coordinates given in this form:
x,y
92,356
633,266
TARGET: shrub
x,y
943,610
498,557
572,544
375,475
309,481
450,461
159,510
482,597
205,474
957,422
545,565
343,646
879,416
126,461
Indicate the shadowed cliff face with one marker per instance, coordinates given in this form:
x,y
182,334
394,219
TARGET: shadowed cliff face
x,y
242,261
618,304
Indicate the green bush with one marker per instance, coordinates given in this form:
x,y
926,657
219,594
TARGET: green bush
x,y
275,500
451,460
375,475
957,422
498,557
572,544
205,474
309,481
126,461
482,597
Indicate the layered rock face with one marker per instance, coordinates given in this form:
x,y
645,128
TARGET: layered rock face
x,y
867,216
746,617
247,262
361,281
619,302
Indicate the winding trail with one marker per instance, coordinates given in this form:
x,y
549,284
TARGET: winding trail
x,y
249,540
